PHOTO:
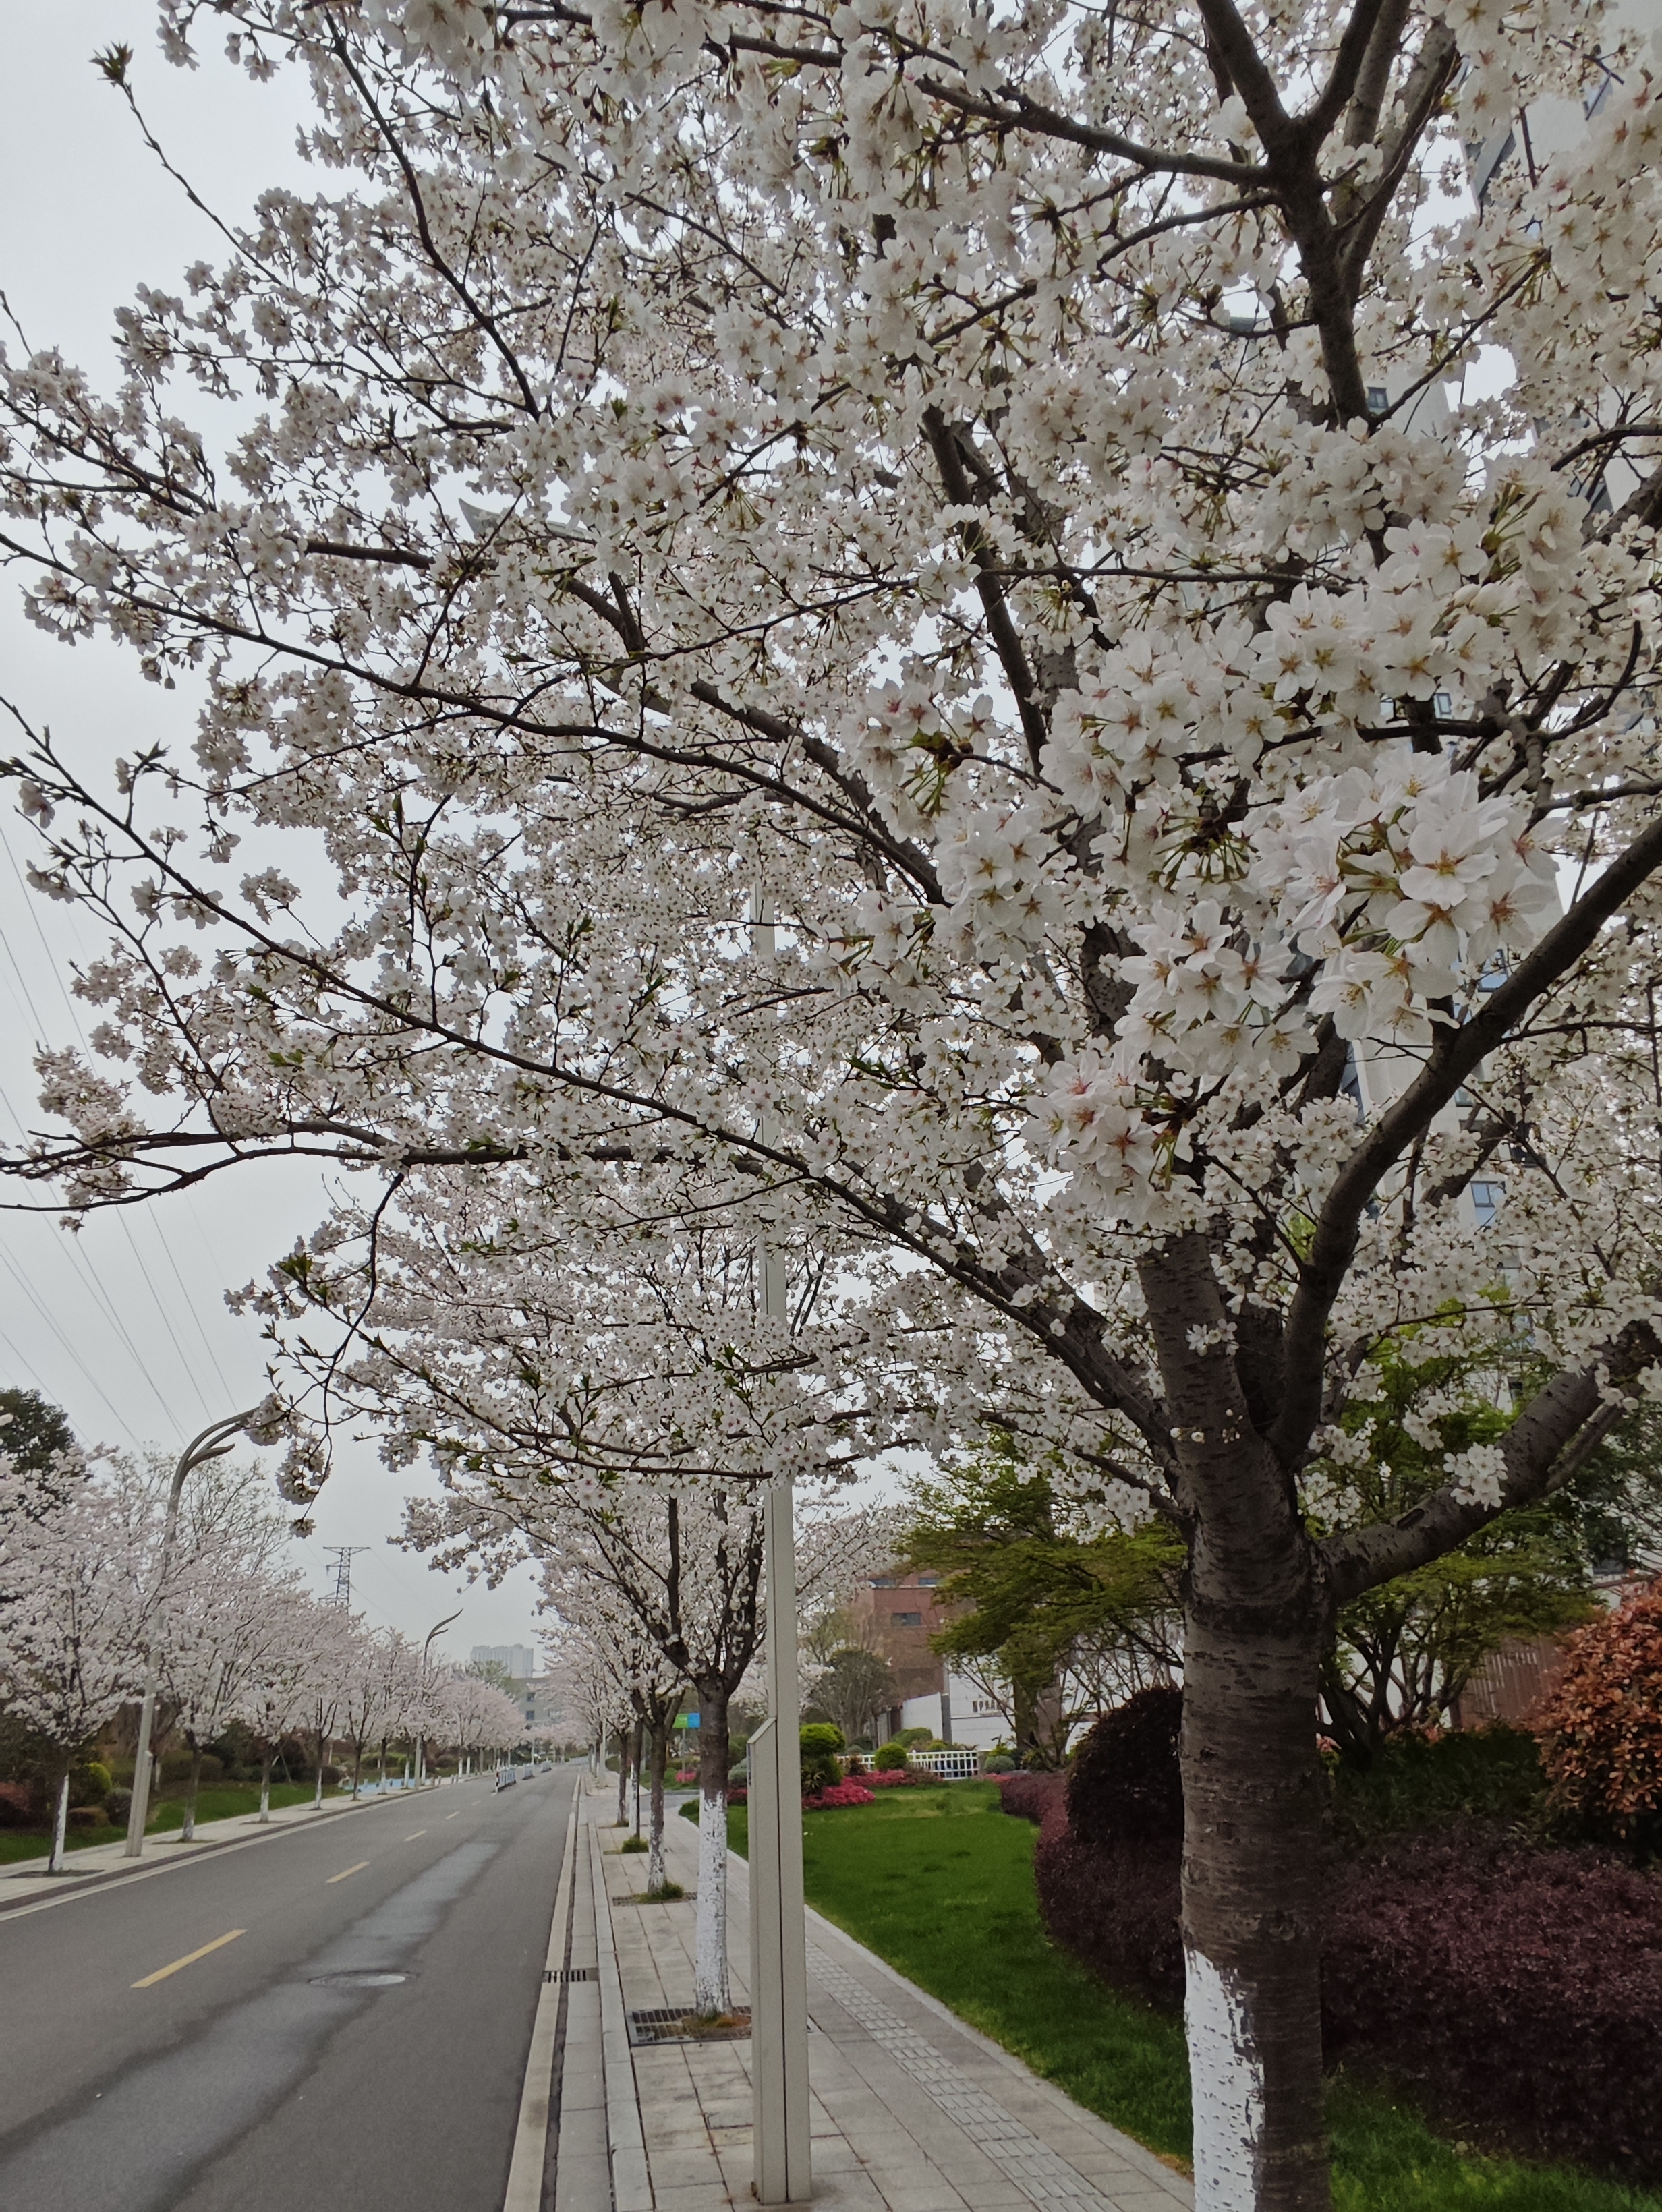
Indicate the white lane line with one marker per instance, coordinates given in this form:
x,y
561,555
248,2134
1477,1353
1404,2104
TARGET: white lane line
x,y
189,1960
345,1871
524,2175
419,1832
456,1815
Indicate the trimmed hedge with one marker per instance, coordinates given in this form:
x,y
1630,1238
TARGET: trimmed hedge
x,y
1518,1987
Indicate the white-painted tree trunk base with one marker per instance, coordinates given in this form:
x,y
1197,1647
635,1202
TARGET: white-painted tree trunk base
x,y
655,1858
59,1828
1227,2073
710,1991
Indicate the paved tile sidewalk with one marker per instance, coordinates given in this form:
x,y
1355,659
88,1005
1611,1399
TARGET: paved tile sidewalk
x,y
912,2110
27,1879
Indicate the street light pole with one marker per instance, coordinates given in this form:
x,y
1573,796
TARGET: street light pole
x,y
778,1931
427,1645
213,1443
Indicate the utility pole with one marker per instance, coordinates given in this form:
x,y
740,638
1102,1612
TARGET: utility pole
x,y
778,1930
214,1443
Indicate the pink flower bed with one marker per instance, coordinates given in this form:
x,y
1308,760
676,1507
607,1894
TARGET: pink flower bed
x,y
900,1778
839,1793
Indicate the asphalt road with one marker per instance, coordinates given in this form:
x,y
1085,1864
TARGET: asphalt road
x,y
245,2082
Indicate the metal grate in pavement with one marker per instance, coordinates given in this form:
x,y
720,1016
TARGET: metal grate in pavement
x,y
669,2024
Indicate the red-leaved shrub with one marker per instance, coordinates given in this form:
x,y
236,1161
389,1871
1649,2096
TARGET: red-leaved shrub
x,y
1601,1726
901,1778
1030,1796
1117,1911
1125,1785
1520,1989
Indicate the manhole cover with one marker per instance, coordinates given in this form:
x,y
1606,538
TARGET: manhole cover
x,y
364,1981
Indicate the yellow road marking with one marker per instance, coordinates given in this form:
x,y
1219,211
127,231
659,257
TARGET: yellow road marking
x,y
189,1960
410,1839
345,1871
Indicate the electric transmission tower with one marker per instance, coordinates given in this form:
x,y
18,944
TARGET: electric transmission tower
x,y
343,1555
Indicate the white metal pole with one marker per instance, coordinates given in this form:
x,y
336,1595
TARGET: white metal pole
x,y
778,1933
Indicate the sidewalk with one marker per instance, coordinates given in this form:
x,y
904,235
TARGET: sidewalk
x,y
26,1880
911,2110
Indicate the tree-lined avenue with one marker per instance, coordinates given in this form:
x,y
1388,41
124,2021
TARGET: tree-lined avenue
x,y
233,2075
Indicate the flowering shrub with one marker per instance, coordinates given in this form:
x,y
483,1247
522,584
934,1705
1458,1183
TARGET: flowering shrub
x,y
837,1795
1601,1728
891,1777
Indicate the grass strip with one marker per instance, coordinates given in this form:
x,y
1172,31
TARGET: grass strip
x,y
939,1882
218,1804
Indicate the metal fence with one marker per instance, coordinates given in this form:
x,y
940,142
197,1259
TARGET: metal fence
x,y
949,1765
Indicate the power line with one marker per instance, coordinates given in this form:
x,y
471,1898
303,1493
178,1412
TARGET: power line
x,y
27,1289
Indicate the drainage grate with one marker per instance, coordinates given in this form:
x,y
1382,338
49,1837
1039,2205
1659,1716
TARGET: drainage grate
x,y
568,1974
361,1981
677,2024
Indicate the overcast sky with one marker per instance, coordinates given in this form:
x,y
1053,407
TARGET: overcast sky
x,y
124,1325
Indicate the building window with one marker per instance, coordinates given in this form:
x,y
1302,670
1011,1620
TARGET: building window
x,y
1485,1201
928,1582
882,1582
1378,399
906,1621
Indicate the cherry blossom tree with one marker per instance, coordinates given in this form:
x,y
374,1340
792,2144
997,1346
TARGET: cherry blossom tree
x,y
475,1715
290,1661
211,1619
372,1688
639,1680
992,486
74,1613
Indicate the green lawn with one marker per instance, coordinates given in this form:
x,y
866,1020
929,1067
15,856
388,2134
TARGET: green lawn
x,y
222,1802
939,1882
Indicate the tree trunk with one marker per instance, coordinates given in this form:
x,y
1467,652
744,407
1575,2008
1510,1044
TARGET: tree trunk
x,y
637,1754
60,1824
1252,1802
316,1798
622,1778
657,1750
187,1833
1257,1620
711,1991
357,1766
265,1784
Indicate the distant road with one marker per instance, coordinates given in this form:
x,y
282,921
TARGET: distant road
x,y
182,2044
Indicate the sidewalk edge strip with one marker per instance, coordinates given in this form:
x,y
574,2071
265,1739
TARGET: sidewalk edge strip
x,y
524,2173
632,2178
